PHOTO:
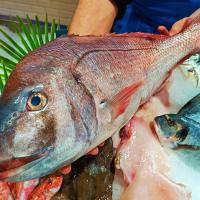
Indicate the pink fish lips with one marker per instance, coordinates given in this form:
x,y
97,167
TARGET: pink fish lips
x,y
14,166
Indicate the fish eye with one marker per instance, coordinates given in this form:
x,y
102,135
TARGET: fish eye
x,y
37,101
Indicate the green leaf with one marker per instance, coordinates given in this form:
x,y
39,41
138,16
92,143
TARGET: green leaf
x,y
31,37
7,61
10,53
25,44
9,67
58,25
33,31
39,30
1,79
13,42
1,85
14,50
53,30
27,33
5,72
46,31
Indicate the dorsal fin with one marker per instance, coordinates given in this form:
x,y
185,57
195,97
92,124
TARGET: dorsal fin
x,y
140,35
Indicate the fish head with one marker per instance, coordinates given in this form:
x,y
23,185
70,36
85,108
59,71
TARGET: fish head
x,y
47,120
171,130
180,134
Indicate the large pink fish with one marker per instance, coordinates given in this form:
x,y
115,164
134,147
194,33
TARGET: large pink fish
x,y
70,95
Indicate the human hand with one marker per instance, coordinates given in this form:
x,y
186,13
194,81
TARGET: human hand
x,y
179,25
93,152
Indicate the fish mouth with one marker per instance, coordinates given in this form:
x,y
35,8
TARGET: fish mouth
x,y
157,129
169,142
14,166
158,132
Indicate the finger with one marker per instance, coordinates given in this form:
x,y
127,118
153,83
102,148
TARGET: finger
x,y
178,26
47,188
66,169
163,30
24,189
94,151
101,145
5,192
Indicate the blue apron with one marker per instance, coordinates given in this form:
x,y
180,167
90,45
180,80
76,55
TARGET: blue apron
x,y
147,15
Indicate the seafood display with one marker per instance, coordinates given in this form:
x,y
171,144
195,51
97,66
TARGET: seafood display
x,y
181,130
70,95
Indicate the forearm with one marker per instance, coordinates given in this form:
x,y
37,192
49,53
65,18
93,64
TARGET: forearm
x,y
93,17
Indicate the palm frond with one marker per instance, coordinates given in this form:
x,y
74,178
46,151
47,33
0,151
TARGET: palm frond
x,y
9,63
9,52
30,37
58,25
33,31
46,31
23,41
26,32
3,75
39,30
17,46
53,30
12,49
1,84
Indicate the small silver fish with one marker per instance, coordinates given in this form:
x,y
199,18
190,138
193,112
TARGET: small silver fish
x,y
181,131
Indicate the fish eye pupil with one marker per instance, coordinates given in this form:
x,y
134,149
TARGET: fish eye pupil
x,y
36,100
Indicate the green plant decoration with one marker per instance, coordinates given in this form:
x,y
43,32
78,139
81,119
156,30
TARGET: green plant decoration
x,y
31,36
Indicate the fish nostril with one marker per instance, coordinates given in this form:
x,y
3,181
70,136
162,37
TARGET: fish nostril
x,y
11,118
14,115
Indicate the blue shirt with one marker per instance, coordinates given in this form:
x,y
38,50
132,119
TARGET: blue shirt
x,y
147,15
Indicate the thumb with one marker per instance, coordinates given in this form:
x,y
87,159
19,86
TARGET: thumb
x,y
163,30
179,26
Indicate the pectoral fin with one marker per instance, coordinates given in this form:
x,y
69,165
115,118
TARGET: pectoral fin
x,y
120,101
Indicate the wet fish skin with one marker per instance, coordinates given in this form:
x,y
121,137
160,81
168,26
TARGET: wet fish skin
x,y
181,130
93,86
